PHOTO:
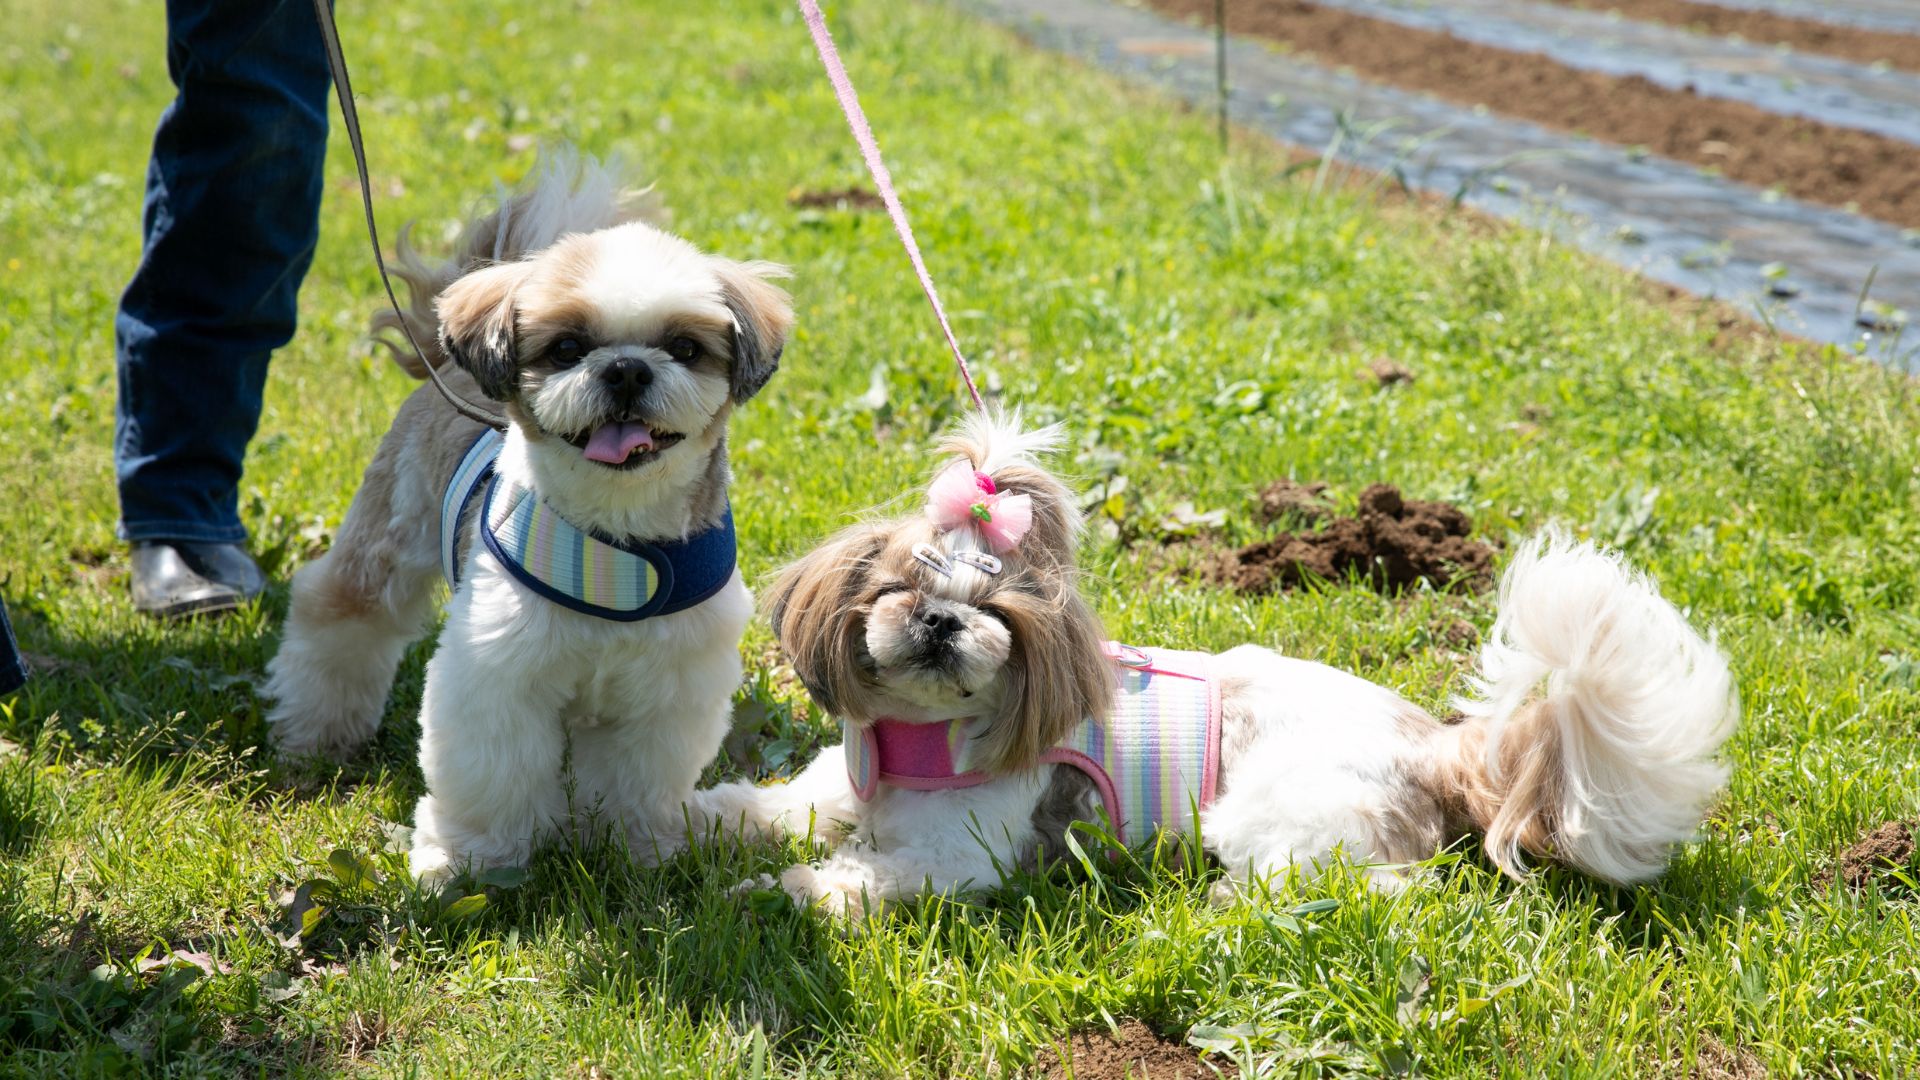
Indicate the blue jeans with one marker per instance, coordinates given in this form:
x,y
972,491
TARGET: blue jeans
x,y
13,671
231,220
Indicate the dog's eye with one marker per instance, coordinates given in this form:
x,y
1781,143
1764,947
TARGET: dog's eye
x,y
683,349
567,352
890,588
996,615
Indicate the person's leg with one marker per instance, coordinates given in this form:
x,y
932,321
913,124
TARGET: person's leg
x,y
231,220
13,668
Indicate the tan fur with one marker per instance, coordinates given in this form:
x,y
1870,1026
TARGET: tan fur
x,y
1058,675
1513,797
478,322
419,452
763,302
763,317
818,606
1238,725
494,237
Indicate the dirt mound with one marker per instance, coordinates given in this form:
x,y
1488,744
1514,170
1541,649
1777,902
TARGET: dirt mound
x,y
1290,499
853,198
1887,847
1386,371
1132,1053
1391,541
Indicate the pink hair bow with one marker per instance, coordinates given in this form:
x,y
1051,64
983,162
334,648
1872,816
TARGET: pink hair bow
x,y
961,496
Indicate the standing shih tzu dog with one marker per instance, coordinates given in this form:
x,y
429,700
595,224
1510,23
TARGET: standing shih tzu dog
x,y
984,713
597,605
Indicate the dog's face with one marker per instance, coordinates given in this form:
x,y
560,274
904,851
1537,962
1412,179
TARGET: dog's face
x,y
874,629
618,345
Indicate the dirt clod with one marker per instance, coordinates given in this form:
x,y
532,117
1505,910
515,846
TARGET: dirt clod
x,y
852,198
1391,541
1387,372
1890,846
1131,1053
1305,503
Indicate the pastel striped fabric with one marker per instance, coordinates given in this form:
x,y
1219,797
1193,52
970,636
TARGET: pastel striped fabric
x,y
547,546
473,468
1159,747
1155,757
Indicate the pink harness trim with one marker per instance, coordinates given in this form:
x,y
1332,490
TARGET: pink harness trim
x,y
929,756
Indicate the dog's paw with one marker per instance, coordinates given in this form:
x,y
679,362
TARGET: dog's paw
x,y
754,884
295,736
431,866
845,896
1225,893
650,847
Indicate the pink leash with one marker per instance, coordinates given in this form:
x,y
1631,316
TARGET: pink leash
x,y
870,150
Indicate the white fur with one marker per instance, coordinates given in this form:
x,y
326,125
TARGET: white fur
x,y
517,679
1643,703
683,400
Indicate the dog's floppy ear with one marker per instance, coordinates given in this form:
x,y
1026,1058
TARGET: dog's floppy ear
x,y
814,606
1057,674
762,318
477,328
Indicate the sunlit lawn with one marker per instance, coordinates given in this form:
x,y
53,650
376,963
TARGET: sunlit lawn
x,y
1198,327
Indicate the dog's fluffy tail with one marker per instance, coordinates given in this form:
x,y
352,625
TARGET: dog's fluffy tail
x,y
567,192
1592,732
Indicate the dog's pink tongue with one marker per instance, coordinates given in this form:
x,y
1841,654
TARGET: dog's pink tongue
x,y
613,441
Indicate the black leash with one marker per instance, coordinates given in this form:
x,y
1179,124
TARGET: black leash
x,y
337,64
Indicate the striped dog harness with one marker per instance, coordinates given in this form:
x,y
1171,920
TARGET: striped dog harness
x,y
624,581
1155,758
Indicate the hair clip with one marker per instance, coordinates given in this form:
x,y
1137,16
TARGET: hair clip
x,y
930,557
979,560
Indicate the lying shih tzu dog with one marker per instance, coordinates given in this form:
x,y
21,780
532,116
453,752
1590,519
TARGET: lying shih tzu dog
x,y
596,603
984,713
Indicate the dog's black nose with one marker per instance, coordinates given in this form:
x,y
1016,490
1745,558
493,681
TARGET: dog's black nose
x,y
627,377
940,625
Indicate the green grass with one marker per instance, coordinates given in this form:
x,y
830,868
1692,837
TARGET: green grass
x,y
1199,328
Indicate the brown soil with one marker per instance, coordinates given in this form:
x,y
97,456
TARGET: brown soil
x,y
1888,847
1306,503
1816,162
1718,1061
1132,1053
853,198
1387,372
1767,28
1392,542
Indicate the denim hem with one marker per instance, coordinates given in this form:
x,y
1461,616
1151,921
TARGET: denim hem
x,y
186,532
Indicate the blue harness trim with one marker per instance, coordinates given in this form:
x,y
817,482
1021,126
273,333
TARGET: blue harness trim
x,y
622,581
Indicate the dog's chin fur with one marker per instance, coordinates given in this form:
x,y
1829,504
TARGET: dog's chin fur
x,y
677,493
965,673
548,306
1590,740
